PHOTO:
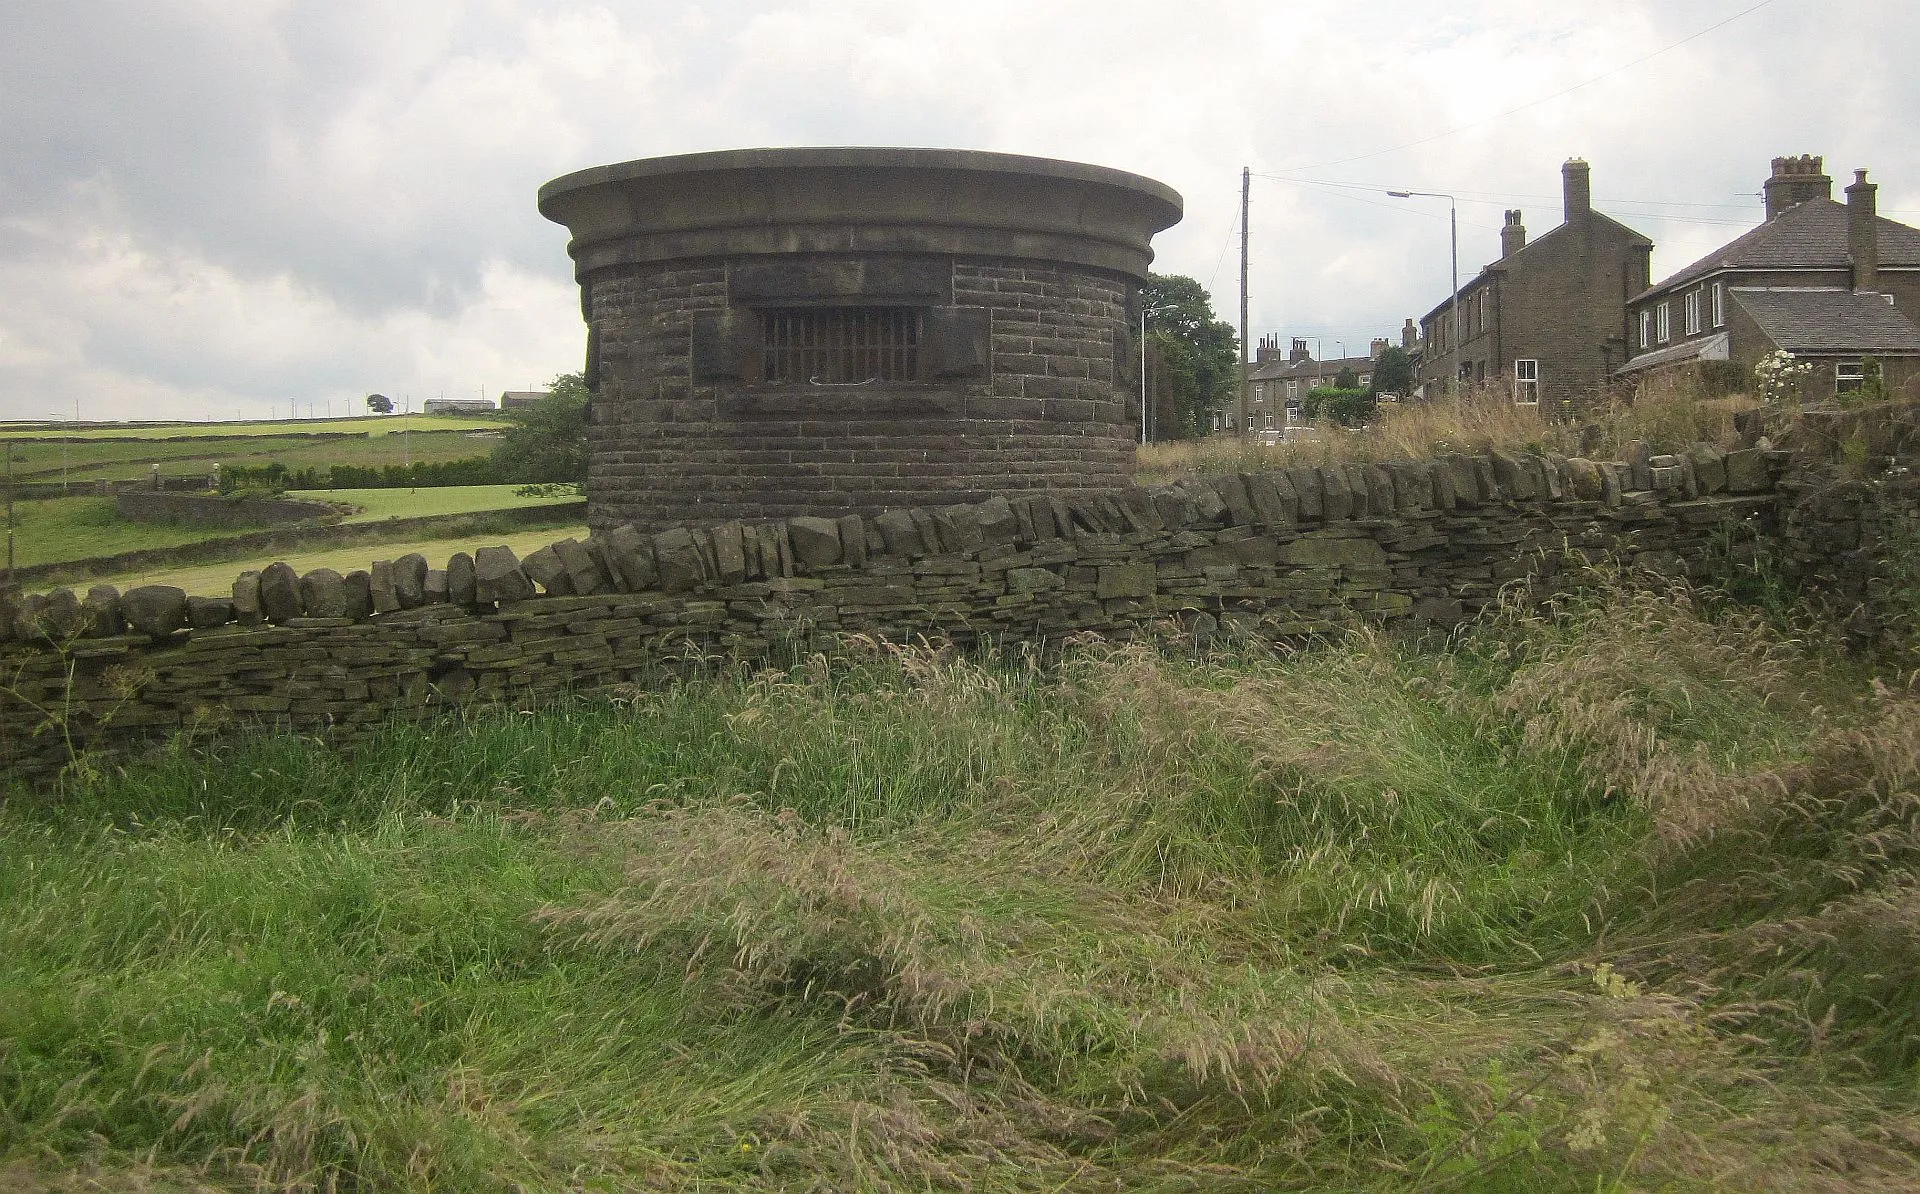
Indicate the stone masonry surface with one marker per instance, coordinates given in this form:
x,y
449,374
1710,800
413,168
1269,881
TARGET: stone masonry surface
x,y
1283,553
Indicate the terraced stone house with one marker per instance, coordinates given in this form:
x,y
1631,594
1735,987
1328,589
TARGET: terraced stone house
x,y
1834,284
1546,321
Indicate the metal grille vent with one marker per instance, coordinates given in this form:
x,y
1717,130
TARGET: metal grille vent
x,y
841,345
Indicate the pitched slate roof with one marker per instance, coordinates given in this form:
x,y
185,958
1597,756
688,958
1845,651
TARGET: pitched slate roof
x,y
1716,347
1810,235
1519,255
1830,322
1278,369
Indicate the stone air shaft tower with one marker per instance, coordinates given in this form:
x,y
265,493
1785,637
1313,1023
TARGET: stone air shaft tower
x,y
775,332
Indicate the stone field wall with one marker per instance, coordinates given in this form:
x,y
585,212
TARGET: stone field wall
x,y
1283,553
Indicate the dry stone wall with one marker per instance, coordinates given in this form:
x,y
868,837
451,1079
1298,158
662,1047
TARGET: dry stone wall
x,y
1283,553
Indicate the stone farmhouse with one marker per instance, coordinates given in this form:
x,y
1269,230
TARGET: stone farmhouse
x,y
1834,284
1547,319
1277,386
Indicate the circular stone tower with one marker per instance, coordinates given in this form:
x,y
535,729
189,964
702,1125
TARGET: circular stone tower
x,y
775,332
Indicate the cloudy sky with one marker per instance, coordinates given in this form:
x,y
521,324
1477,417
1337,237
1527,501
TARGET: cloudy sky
x,y
221,207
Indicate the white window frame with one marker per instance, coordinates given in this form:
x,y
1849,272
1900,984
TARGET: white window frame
x,y
1692,312
1663,322
1270,420
1216,420
1259,393
1249,422
1719,306
1849,376
1646,327
1293,414
1293,388
1526,382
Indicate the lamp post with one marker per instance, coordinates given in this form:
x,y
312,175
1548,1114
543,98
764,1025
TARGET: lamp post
x,y
1453,313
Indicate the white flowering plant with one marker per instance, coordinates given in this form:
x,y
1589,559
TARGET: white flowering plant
x,y
1779,375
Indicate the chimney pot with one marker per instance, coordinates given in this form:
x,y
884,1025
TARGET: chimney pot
x,y
1576,179
1863,232
1513,235
1794,181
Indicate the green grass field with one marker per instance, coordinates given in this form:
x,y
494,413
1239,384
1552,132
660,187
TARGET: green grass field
x,y
129,459
78,528
216,580
375,425
380,504
1620,900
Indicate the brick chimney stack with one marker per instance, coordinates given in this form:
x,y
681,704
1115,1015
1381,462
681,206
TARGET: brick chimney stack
x,y
1269,349
1576,181
1513,235
1376,348
1794,181
1409,335
1299,352
1863,236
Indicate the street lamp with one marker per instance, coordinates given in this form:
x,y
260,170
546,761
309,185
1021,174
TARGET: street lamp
x,y
1453,236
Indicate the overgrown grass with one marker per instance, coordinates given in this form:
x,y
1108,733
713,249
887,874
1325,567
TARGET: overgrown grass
x,y
1614,896
1478,421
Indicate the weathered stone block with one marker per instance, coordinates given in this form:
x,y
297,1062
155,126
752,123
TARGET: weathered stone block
x,y
436,586
323,592
853,540
205,613
678,558
100,615
359,584
497,576
1747,471
997,522
1125,580
1272,505
1336,495
630,552
280,593
1034,580
156,610
1585,478
897,529
816,541
1306,487
1709,467
246,599
460,580
410,580
380,587
545,568
583,573
730,552
1314,551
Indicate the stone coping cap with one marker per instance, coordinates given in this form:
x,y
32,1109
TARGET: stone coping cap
x,y
841,157
858,200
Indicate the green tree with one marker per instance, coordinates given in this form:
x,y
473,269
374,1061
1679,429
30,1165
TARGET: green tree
x,y
548,440
1193,356
1393,373
1346,379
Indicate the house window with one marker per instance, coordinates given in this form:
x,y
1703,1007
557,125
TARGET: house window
x,y
1526,383
1848,376
1249,422
840,345
1646,328
1663,317
1719,305
1259,393
1293,414
1693,312
1293,388
1216,420
1270,420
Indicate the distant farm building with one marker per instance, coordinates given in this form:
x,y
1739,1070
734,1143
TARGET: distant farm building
x,y
458,406
520,399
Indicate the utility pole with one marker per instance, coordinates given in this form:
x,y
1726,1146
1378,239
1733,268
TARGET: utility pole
x,y
1246,192
9,512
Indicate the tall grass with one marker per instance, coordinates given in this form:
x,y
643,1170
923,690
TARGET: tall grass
x,y
1477,421
1616,895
